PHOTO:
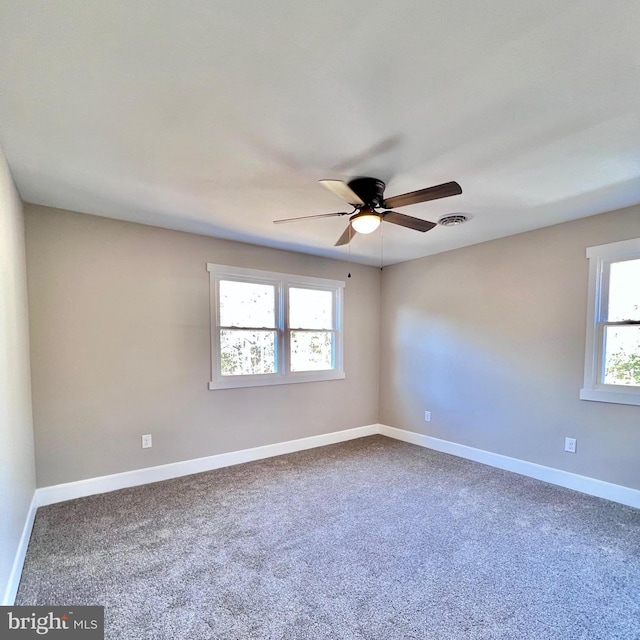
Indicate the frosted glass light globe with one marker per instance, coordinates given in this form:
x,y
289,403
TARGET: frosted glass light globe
x,y
366,223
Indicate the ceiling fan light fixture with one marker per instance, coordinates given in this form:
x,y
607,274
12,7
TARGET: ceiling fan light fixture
x,y
365,222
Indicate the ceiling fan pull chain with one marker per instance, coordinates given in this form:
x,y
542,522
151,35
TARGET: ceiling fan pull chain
x,y
349,274
381,245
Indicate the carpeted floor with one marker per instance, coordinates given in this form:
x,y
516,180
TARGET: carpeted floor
x,y
371,539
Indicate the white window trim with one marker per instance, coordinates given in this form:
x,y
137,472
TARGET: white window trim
x,y
600,259
282,282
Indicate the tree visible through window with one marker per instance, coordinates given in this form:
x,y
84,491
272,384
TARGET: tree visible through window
x,y
270,328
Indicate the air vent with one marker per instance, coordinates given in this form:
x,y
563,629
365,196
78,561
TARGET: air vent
x,y
453,220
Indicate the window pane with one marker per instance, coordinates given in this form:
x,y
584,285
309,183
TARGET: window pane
x,y
310,309
247,304
245,352
311,350
622,355
624,291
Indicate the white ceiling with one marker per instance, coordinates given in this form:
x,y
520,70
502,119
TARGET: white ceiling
x,y
218,117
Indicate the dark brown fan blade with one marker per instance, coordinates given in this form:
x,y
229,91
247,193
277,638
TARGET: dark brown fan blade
x,y
344,191
320,215
347,236
407,221
424,195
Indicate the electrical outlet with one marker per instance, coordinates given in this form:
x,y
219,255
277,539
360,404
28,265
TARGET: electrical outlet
x,y
570,445
146,441
427,416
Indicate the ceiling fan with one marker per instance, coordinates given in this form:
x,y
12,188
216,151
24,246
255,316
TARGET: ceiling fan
x,y
366,195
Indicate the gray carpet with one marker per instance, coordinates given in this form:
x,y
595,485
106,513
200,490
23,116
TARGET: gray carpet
x,y
372,539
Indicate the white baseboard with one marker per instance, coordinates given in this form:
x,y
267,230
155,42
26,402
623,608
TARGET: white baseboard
x,y
104,484
584,484
18,562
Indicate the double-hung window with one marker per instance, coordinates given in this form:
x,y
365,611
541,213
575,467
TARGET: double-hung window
x,y
273,328
612,359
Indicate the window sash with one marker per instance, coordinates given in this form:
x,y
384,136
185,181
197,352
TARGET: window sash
x,y
276,295
311,288
601,358
242,330
330,332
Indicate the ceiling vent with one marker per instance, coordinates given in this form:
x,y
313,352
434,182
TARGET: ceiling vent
x,y
453,220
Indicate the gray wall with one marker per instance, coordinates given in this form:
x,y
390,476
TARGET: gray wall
x,y
120,347
17,475
490,339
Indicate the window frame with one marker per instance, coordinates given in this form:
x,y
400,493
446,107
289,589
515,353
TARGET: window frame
x,y
600,259
282,282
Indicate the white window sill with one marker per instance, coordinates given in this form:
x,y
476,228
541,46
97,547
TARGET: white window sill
x,y
632,396
233,382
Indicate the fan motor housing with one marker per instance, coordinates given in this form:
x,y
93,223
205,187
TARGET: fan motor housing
x,y
371,190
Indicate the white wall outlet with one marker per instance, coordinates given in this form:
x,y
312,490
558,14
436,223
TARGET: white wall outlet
x,y
570,445
146,441
427,416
